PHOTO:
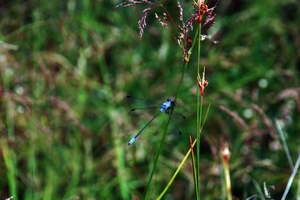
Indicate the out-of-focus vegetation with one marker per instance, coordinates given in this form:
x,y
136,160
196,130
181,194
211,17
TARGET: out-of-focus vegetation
x,y
66,66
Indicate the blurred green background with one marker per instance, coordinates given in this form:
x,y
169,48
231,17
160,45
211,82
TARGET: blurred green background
x,y
67,65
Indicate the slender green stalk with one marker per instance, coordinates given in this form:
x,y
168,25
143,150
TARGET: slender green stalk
x,y
225,159
199,111
10,158
10,163
177,171
164,135
156,159
177,93
117,142
289,184
284,144
120,161
32,165
195,173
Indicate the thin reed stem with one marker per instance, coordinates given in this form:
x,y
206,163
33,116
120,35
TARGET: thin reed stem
x,y
156,159
289,184
185,65
199,111
225,161
177,171
194,170
284,144
164,135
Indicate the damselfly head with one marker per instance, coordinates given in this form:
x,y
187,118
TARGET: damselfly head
x,y
170,101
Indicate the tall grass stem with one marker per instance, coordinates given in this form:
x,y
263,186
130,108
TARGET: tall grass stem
x,y
176,172
286,149
289,184
198,124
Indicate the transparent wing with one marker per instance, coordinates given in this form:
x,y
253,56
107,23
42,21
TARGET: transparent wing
x,y
133,101
175,128
141,106
178,118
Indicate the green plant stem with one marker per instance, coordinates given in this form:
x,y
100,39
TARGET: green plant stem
x,y
10,158
176,172
289,184
119,153
227,180
177,93
195,172
156,159
198,114
164,135
284,144
32,168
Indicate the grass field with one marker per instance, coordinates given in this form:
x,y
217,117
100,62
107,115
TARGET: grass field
x,y
66,67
